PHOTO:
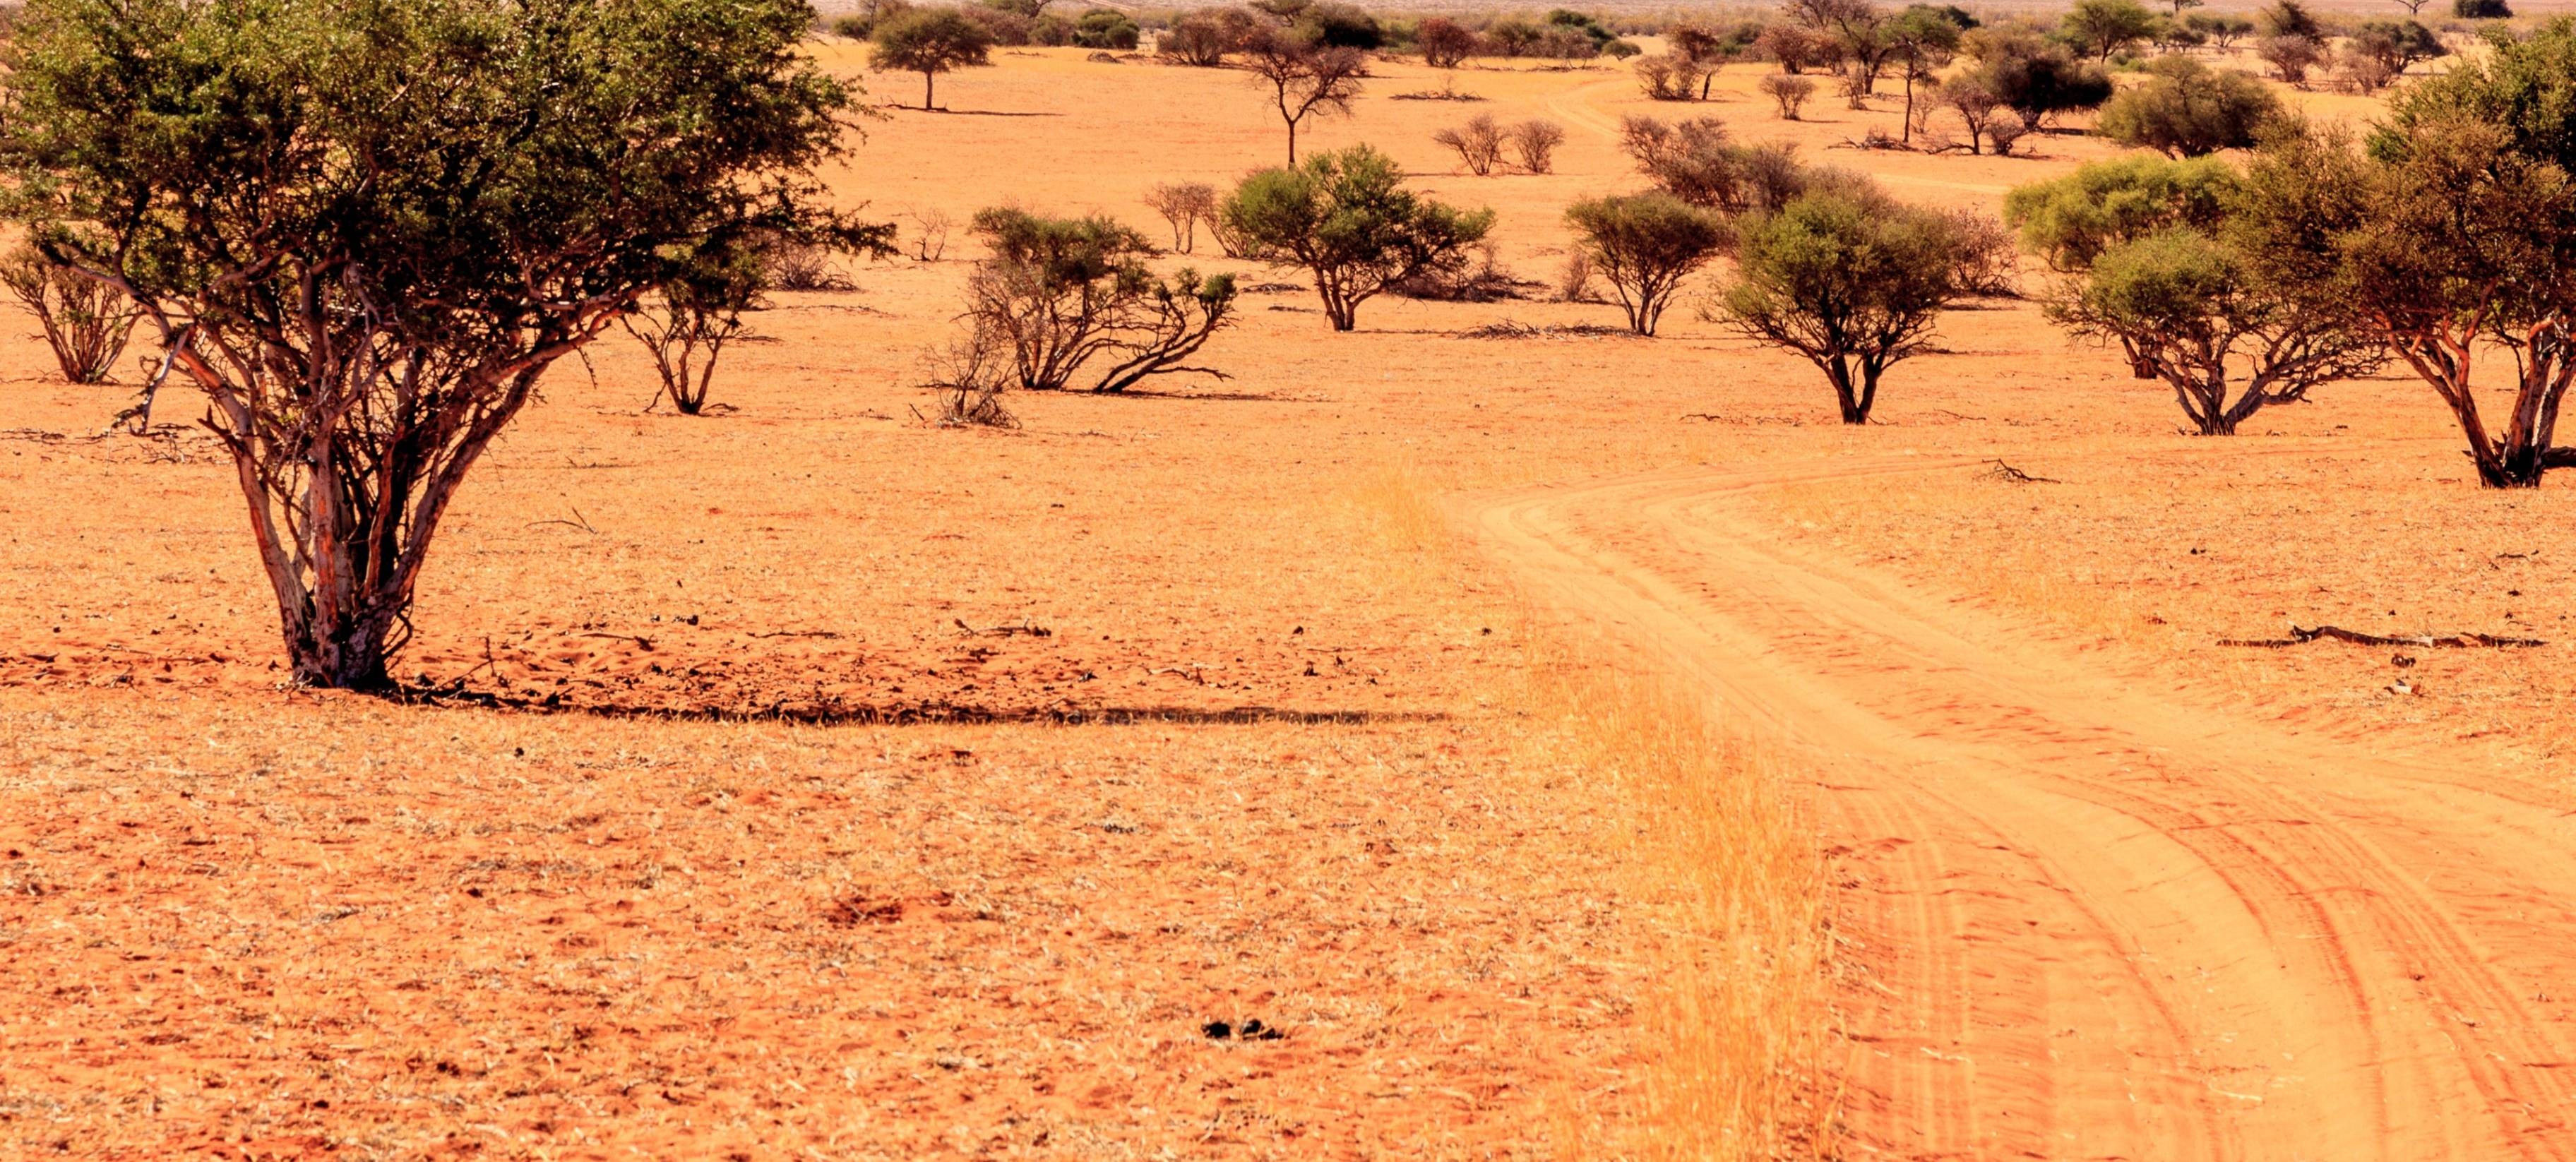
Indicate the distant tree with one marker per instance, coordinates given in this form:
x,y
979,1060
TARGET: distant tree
x,y
2223,31
1106,28
1512,37
1708,46
1534,144
1669,77
365,231
2039,80
1790,92
2481,9
1198,39
1478,143
86,322
2186,109
1330,24
1001,26
1857,28
1990,125
2361,71
929,41
2290,18
1303,79
1698,162
1346,217
2397,44
2179,5
1644,245
1850,279
1443,42
1923,40
2413,7
2104,28
1793,48
2291,57
1183,204
2070,221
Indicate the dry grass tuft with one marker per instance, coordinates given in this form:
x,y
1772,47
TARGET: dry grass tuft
x,y
1722,867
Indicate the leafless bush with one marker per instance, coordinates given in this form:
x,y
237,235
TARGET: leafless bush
x,y
930,227
1670,77
970,374
2362,72
1988,266
1480,278
1791,92
1535,142
686,333
1183,204
1479,143
1856,84
86,322
796,266
1574,281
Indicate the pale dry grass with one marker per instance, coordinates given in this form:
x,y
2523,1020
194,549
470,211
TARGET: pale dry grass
x,y
1722,868
1717,871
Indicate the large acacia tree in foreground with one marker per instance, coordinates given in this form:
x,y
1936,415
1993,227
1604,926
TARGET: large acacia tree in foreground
x,y
365,228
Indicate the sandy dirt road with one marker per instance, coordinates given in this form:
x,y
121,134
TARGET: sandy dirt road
x,y
2097,919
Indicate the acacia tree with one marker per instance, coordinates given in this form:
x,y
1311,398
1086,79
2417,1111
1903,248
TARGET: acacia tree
x,y
365,231
1857,28
2103,28
1057,295
1924,39
1346,217
2452,243
929,41
2187,305
2187,109
1644,245
1444,43
1305,78
1852,280
686,324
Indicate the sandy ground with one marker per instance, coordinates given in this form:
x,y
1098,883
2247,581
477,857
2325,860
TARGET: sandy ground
x,y
801,841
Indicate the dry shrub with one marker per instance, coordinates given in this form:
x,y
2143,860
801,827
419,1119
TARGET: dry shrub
x,y
1534,144
1722,869
1184,205
930,227
1790,92
86,322
1991,268
969,376
1574,282
1479,143
1477,278
799,266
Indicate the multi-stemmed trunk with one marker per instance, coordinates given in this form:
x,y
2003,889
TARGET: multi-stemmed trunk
x,y
2545,365
1855,381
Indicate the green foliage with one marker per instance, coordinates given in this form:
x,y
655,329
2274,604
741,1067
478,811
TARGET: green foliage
x,y
1058,295
1697,161
365,230
2454,238
1645,245
2071,220
929,41
1850,279
2102,28
2193,309
1346,217
2187,109
1106,28
2524,85
1335,25
2290,18
2398,44
2038,80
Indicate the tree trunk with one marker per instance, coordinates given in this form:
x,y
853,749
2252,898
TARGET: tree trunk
x,y
1855,402
926,78
1292,142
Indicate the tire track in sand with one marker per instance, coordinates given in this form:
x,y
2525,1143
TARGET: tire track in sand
x,y
2098,921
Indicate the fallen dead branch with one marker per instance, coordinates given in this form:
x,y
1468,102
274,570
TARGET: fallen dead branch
x,y
799,633
644,643
1999,470
2300,636
1025,626
1508,329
